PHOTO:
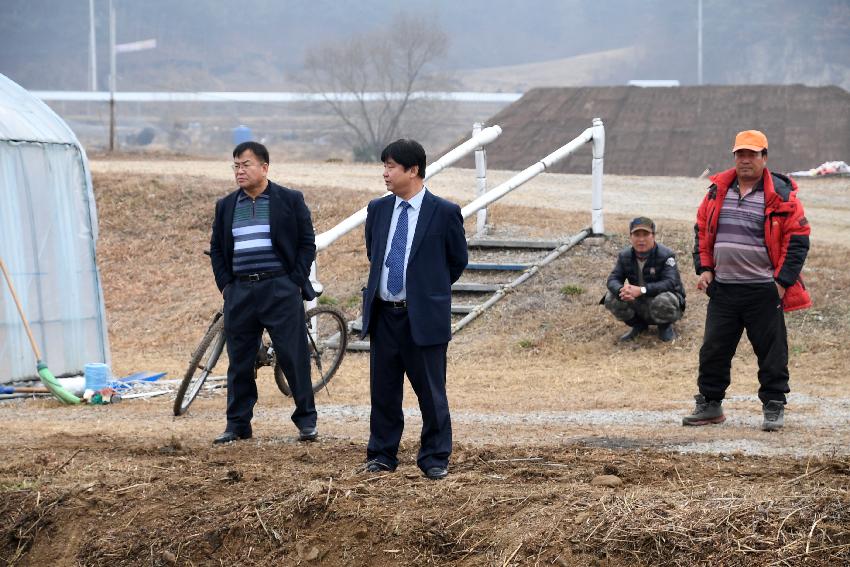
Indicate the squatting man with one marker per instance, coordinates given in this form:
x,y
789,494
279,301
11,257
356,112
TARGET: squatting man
x,y
644,287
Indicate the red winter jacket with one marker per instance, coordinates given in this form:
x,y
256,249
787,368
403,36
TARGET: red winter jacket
x,y
786,232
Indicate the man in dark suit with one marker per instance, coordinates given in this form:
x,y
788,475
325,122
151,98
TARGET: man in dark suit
x,y
417,249
262,246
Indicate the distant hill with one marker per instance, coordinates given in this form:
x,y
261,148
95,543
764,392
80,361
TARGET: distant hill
x,y
587,69
676,130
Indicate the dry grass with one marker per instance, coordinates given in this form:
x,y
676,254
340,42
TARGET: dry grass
x,y
160,292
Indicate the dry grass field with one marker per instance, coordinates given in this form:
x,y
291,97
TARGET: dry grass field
x,y
544,401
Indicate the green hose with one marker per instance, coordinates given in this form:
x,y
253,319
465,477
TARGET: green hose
x,y
49,380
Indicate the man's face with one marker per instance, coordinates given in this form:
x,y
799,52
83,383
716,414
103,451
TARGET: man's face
x,y
397,180
250,171
642,240
749,165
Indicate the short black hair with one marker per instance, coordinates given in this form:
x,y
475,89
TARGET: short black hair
x,y
257,148
406,153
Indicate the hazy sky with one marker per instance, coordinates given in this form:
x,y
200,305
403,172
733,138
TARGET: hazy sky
x,y
259,44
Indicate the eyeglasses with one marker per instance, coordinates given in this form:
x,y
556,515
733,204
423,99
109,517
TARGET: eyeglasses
x,y
244,165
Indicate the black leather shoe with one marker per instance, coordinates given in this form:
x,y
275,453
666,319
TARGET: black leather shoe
x,y
633,333
437,473
666,332
229,437
377,467
308,434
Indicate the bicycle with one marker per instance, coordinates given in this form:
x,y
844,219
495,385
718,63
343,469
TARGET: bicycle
x,y
327,337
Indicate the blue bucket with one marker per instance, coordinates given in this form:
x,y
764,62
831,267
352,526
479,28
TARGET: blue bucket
x,y
241,134
97,376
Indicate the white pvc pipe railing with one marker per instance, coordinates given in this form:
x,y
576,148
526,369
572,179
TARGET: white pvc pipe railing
x,y
486,136
480,183
597,224
328,237
595,133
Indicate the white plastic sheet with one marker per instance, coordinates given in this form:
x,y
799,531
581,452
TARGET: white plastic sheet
x,y
48,230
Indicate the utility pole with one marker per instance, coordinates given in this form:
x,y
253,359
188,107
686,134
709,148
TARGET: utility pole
x,y
92,48
111,77
699,42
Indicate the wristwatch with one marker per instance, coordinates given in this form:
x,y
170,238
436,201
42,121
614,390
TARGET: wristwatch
x,y
642,290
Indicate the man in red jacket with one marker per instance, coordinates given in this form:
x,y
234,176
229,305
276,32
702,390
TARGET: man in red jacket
x,y
752,238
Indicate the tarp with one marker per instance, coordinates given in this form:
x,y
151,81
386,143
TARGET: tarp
x,y
48,231
827,168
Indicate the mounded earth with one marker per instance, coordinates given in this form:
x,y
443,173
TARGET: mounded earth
x,y
675,130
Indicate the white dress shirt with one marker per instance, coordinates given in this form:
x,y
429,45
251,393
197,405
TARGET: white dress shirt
x,y
415,203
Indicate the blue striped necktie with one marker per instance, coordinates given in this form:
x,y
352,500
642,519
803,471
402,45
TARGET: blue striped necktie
x,y
395,259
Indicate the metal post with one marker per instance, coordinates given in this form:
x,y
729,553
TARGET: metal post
x,y
314,277
111,77
597,224
699,42
480,182
92,48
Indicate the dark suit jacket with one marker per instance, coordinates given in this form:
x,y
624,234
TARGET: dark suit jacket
x,y
437,258
292,236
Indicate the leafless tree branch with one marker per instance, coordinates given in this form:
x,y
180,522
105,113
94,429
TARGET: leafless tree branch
x,y
377,73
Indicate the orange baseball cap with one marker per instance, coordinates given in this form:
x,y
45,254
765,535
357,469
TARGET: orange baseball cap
x,y
750,140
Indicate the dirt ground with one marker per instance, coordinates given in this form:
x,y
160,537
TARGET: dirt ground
x,y
548,410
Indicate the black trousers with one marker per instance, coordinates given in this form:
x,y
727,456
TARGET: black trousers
x,y
732,308
392,353
249,307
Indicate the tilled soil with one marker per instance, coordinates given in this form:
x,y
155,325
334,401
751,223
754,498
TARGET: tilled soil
x,y
114,495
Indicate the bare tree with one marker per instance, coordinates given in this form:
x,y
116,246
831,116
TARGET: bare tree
x,y
370,80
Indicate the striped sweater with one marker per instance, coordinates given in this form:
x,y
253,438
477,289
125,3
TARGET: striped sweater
x,y
252,244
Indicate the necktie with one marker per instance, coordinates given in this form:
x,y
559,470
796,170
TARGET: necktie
x,y
395,259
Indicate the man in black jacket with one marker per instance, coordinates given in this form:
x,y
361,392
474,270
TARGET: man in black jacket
x,y
262,247
645,287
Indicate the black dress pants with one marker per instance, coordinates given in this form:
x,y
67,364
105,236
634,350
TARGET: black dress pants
x,y
249,307
732,308
392,353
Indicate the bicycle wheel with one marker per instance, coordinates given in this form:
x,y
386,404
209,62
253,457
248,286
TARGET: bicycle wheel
x,y
200,366
327,337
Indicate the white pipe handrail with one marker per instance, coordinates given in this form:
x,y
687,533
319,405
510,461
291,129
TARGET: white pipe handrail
x,y
486,136
597,224
525,175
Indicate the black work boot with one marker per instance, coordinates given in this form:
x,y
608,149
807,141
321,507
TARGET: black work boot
x,y
774,415
706,412
666,333
633,333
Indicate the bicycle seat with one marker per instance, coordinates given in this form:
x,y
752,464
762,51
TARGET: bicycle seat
x,y
317,287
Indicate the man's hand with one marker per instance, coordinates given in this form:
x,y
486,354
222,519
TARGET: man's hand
x,y
780,290
629,292
705,278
